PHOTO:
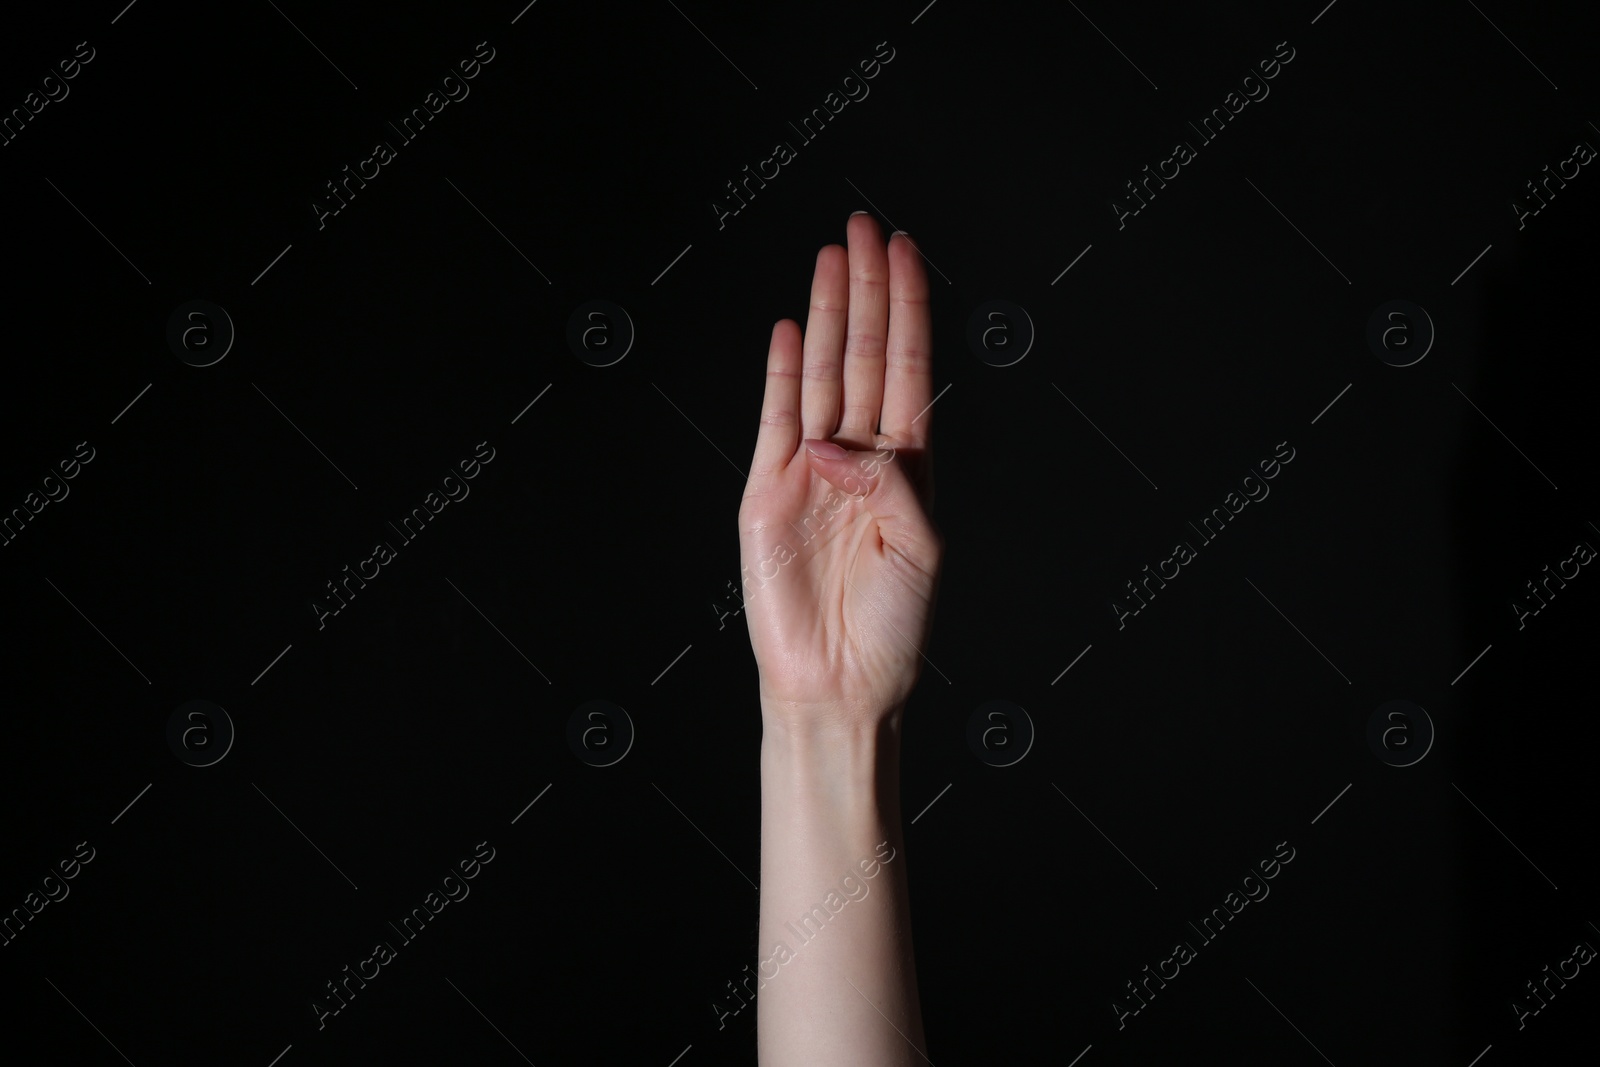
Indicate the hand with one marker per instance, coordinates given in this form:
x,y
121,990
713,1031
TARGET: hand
x,y
841,561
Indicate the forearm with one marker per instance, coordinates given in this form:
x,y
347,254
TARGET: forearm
x,y
838,976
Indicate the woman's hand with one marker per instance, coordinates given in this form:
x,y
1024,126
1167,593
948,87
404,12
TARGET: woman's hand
x,y
841,561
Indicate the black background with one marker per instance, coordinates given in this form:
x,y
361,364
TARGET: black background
x,y
379,350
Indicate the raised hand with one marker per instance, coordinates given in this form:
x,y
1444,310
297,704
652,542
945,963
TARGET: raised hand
x,y
841,560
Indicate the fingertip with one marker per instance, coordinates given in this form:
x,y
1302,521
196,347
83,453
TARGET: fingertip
x,y
824,449
863,225
905,256
785,341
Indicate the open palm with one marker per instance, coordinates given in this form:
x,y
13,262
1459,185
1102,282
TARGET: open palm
x,y
841,561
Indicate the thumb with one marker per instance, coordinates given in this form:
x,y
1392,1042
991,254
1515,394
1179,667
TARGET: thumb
x,y
881,483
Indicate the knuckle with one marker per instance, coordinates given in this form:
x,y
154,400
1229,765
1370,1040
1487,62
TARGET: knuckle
x,y
864,342
908,356
861,414
778,417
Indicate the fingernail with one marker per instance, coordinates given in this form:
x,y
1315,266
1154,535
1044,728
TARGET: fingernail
x,y
825,449
853,214
900,233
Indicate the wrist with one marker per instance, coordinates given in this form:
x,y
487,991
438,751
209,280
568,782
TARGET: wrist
x,y
843,767
836,716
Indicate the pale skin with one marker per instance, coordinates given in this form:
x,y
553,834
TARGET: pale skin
x,y
841,570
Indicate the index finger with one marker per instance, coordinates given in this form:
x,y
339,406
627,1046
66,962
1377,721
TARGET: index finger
x,y
908,374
